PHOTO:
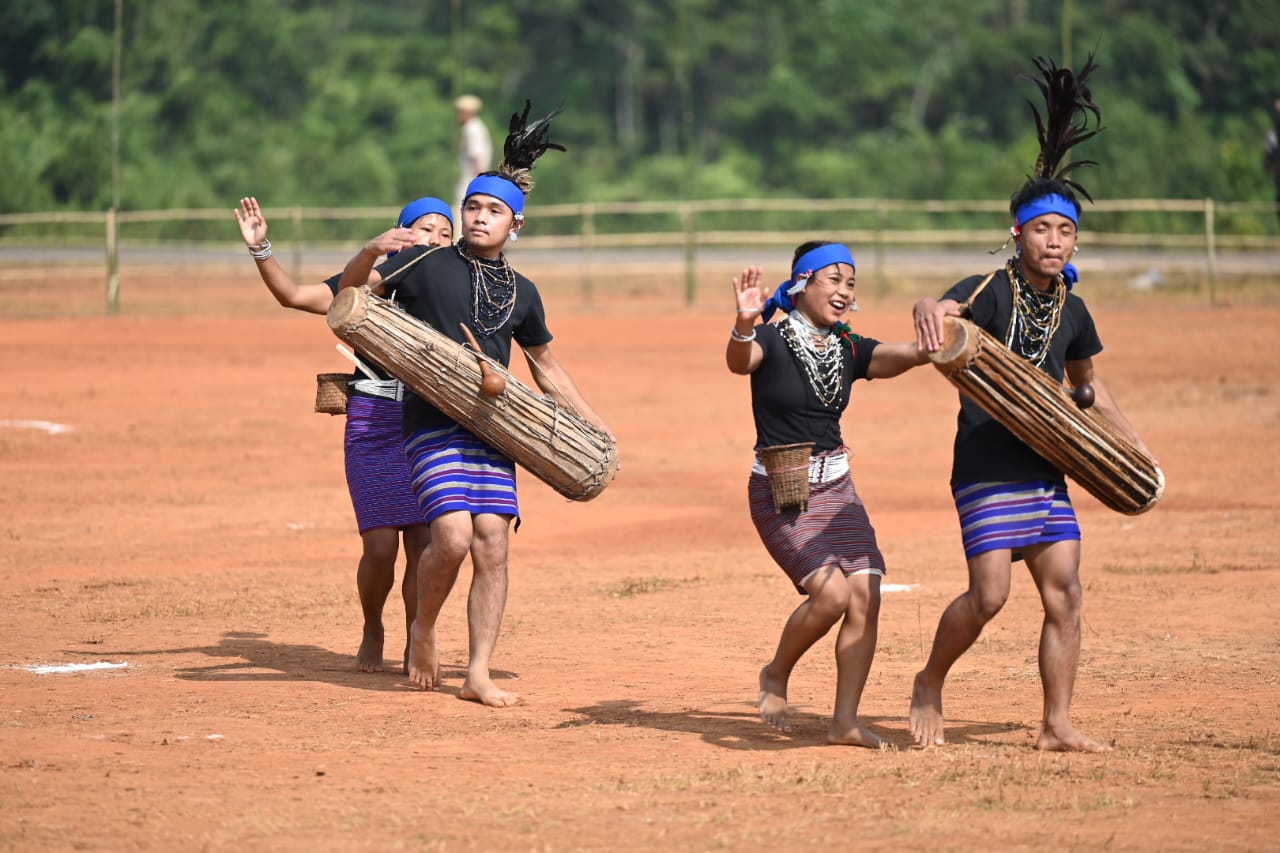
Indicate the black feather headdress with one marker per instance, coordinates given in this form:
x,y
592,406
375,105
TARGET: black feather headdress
x,y
1068,104
526,142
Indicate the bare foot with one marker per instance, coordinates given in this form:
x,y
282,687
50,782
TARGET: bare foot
x,y
369,658
773,701
926,712
423,663
842,734
1069,740
483,690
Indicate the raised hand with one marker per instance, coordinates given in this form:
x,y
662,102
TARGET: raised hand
x,y
392,240
253,225
749,293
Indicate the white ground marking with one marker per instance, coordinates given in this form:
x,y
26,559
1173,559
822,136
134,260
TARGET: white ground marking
x,y
48,426
51,668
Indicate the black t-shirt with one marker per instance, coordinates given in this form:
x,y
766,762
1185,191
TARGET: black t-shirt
x,y
784,405
437,291
373,366
985,451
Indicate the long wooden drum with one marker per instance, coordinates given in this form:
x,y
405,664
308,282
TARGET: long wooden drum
x,y
549,440
1081,443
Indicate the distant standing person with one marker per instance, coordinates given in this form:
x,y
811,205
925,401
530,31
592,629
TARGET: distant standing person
x,y
1271,156
476,148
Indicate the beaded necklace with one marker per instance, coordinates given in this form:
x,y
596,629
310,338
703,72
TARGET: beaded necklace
x,y
823,364
1035,316
493,291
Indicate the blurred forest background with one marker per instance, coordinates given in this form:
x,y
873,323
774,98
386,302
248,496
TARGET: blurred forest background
x,y
349,102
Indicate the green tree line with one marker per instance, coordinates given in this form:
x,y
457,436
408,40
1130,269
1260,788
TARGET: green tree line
x,y
349,102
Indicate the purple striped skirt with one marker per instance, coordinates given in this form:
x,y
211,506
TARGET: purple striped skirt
x,y
833,531
454,471
1013,515
377,470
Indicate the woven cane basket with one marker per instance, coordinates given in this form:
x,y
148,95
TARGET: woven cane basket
x,y
332,390
788,468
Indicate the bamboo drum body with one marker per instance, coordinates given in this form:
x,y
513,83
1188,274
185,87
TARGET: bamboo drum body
x,y
1029,403
550,441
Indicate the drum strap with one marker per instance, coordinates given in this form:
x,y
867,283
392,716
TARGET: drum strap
x,y
967,305
407,266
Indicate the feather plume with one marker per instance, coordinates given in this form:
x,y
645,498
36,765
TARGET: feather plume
x,y
525,143
1068,104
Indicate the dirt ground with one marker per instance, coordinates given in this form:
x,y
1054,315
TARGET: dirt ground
x,y
191,521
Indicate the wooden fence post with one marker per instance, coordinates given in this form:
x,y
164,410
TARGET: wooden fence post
x,y
295,216
690,253
588,246
1211,247
882,275
113,263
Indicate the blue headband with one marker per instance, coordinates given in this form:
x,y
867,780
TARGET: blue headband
x,y
500,188
415,210
1070,275
780,299
1052,203
823,256
808,263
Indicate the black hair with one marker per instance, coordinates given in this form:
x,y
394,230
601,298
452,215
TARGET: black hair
x,y
805,248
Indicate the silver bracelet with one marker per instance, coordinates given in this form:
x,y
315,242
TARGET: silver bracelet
x,y
262,251
740,337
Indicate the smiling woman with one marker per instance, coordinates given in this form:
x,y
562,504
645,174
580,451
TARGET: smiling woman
x,y
802,371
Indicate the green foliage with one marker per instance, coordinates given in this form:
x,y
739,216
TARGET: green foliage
x,y
349,102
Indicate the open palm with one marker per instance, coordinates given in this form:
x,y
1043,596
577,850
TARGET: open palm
x,y
750,293
253,225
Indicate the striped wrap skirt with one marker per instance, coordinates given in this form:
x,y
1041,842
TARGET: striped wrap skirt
x,y
377,470
454,471
833,531
1013,515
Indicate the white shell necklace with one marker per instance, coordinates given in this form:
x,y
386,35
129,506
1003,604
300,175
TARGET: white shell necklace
x,y
823,363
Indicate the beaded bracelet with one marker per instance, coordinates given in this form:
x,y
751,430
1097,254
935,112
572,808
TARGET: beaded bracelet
x,y
733,333
262,251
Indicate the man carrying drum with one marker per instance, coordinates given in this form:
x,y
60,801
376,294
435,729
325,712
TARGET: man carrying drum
x,y
467,489
1012,502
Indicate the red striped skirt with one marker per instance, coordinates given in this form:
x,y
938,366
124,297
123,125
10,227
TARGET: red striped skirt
x,y
833,531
